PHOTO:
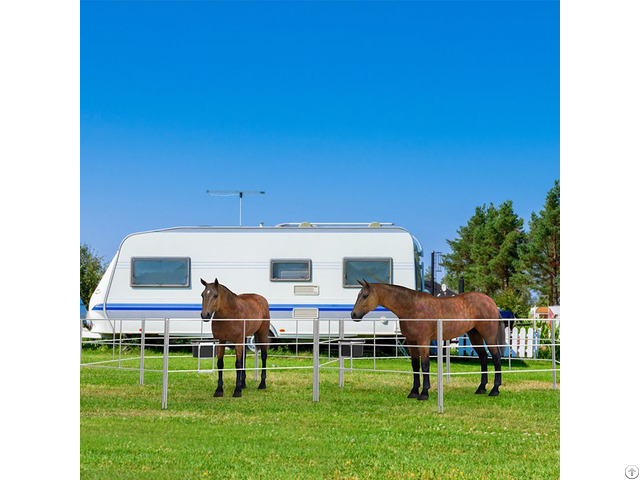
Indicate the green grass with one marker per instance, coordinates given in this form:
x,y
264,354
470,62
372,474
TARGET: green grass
x,y
368,429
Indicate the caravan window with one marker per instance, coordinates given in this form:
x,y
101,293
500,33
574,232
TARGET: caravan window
x,y
376,270
160,272
290,270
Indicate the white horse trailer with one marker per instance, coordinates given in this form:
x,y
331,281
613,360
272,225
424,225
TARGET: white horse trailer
x,y
305,271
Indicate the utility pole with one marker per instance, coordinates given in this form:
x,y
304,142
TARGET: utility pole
x,y
433,274
436,266
239,193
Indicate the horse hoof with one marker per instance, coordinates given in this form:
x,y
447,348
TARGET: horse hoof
x,y
423,397
237,393
218,393
262,386
494,392
244,385
481,390
413,395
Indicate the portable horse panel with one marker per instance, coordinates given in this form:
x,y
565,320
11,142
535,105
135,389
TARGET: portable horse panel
x,y
304,271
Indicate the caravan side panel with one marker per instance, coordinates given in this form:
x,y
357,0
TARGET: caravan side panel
x,y
242,259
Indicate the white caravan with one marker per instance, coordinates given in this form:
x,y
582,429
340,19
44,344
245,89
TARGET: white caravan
x,y
305,271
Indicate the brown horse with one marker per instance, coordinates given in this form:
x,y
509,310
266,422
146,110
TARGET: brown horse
x,y
407,303
218,302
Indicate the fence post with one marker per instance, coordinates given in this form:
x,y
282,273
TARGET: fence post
x,y
142,339
120,346
553,350
508,342
316,360
440,382
340,356
81,342
165,365
374,347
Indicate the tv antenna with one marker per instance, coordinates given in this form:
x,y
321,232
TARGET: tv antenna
x,y
231,193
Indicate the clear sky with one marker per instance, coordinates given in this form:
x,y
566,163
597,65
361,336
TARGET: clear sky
x,y
406,112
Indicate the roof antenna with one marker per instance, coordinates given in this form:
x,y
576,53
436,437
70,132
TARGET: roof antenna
x,y
230,193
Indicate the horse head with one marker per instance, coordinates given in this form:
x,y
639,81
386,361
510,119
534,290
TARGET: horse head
x,y
210,299
367,300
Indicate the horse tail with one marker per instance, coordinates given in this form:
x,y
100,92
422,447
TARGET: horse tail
x,y
266,321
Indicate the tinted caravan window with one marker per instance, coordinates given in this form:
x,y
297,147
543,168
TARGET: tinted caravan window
x,y
290,270
376,270
160,272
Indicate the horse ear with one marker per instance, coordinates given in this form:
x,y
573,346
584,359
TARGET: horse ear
x,y
361,283
367,283
215,283
203,282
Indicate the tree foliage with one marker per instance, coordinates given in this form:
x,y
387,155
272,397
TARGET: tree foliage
x,y
495,256
486,251
92,268
540,257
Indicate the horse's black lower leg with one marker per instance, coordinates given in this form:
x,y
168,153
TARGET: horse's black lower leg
x,y
497,364
426,384
263,375
415,365
220,368
477,341
244,370
238,391
484,379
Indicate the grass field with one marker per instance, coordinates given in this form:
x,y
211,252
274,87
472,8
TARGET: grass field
x,y
368,429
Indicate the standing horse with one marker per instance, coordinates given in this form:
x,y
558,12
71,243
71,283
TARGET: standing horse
x,y
474,307
218,302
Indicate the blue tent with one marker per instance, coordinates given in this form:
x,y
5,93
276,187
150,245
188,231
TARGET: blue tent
x,y
507,314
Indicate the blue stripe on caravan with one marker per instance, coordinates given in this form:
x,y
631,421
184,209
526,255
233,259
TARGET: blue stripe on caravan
x,y
197,307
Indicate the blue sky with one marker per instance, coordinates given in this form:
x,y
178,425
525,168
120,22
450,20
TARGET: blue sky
x,y
406,112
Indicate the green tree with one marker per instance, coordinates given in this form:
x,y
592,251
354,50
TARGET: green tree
x,y
486,251
92,268
540,256
515,300
458,261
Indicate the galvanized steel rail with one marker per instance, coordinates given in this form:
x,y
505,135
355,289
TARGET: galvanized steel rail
x,y
339,339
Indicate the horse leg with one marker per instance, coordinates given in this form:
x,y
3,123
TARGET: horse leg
x,y
496,356
415,365
478,346
244,370
426,384
239,369
262,339
220,353
263,375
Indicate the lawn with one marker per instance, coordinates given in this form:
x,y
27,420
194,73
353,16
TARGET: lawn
x,y
368,429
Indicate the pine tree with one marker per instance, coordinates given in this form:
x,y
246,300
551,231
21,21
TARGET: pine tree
x,y
458,261
486,252
507,238
540,257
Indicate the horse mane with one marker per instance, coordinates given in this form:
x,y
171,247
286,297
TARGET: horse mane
x,y
229,296
226,289
405,293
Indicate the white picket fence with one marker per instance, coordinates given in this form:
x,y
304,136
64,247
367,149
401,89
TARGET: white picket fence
x,y
524,343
